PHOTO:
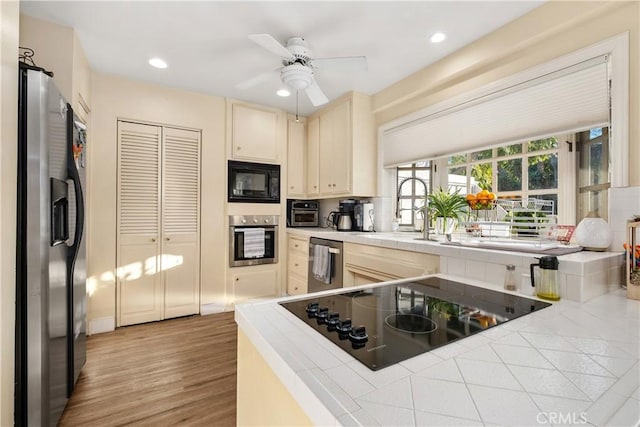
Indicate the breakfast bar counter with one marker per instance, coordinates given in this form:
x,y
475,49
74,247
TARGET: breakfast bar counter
x,y
567,364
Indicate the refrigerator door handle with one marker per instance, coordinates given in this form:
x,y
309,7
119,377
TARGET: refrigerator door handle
x,y
74,176
59,212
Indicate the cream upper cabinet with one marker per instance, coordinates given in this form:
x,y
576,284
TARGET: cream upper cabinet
x,y
335,150
313,153
296,158
347,149
255,132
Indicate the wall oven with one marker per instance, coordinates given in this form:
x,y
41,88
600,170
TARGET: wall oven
x,y
253,240
253,182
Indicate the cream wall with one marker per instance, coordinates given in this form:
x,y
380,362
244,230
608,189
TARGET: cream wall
x,y
8,136
113,98
53,46
552,30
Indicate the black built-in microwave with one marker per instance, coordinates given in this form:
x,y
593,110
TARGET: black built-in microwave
x,y
253,182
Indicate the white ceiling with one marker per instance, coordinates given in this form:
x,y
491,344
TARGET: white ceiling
x,y
206,46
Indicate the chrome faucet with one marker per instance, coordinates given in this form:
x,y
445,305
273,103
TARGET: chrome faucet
x,y
426,224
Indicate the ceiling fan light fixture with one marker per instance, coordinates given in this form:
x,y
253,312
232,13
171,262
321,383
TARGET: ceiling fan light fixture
x,y
297,76
158,63
283,92
438,37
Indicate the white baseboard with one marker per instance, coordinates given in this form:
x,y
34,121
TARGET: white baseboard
x,y
212,308
102,325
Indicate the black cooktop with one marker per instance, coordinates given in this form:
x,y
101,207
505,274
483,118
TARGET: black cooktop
x,y
385,325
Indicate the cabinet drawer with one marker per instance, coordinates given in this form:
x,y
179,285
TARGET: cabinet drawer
x,y
298,265
378,264
298,246
296,286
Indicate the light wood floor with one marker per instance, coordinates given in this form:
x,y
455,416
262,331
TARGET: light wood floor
x,y
175,372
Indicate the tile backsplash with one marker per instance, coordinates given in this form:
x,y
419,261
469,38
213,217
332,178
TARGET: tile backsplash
x,y
624,203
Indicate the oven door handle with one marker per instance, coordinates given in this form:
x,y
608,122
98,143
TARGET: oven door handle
x,y
334,251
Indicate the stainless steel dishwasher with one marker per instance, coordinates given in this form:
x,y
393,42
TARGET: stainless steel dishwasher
x,y
325,264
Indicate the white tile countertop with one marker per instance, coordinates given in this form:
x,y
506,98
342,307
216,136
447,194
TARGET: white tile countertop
x,y
583,275
568,364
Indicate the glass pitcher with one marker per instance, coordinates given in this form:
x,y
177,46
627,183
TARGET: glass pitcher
x,y
548,287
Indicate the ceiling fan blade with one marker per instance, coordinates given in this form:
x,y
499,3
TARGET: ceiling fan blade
x,y
344,63
315,94
256,80
272,45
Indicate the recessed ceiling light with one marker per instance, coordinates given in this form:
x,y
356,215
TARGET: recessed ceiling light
x,y
283,92
438,37
158,63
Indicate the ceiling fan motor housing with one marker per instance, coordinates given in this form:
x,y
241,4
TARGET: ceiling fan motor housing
x,y
298,48
297,76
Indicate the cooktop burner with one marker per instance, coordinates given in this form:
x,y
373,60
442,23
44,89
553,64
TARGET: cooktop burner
x,y
388,324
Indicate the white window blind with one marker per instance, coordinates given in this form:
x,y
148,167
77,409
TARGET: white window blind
x,y
567,100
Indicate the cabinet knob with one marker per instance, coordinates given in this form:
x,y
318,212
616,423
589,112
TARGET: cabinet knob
x,y
333,185
238,148
153,239
237,279
292,187
329,185
296,264
166,239
295,245
315,186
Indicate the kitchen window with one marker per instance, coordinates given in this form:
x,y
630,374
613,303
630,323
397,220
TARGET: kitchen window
x,y
412,193
513,171
548,168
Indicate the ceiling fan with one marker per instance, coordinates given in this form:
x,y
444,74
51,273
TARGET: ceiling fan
x,y
299,66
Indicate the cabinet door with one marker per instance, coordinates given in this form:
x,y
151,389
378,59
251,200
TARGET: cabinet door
x,y
335,150
248,283
327,154
254,134
295,159
341,147
313,146
180,222
139,288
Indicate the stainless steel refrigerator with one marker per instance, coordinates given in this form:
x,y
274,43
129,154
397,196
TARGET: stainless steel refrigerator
x,y
51,256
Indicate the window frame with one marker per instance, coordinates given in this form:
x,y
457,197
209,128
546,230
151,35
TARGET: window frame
x,y
566,189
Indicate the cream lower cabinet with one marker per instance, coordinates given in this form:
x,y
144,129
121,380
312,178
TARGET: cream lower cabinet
x,y
253,282
368,264
158,223
297,265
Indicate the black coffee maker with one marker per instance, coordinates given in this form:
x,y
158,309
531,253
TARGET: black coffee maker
x,y
347,208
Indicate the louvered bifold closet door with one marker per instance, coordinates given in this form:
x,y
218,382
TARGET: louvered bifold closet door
x,y
139,285
181,222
